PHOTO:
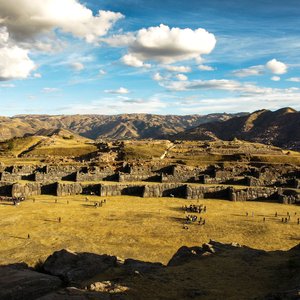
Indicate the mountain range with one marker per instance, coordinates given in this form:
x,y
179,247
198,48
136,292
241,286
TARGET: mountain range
x,y
279,128
124,126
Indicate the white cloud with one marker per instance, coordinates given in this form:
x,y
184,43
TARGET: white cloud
x,y
27,19
14,63
294,79
119,40
181,69
251,71
133,61
216,84
37,75
181,77
116,106
166,45
276,67
157,77
102,72
271,100
275,78
77,66
121,90
50,90
7,85
205,68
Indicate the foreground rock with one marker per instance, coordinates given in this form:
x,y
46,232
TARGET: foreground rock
x,y
74,267
18,282
212,271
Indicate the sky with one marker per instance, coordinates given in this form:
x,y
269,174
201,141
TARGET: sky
x,y
138,56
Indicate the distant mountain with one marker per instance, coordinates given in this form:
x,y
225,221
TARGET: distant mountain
x,y
125,126
280,128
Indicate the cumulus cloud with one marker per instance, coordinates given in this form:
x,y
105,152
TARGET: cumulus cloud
x,y
27,19
121,90
181,69
294,79
133,61
157,77
251,71
102,72
26,25
205,68
166,45
77,66
181,77
275,78
14,63
276,67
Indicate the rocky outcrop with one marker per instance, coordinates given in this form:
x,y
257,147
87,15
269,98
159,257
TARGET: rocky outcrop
x,y
209,271
74,267
18,282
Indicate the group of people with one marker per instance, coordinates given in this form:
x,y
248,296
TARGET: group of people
x,y
99,204
192,218
195,208
286,219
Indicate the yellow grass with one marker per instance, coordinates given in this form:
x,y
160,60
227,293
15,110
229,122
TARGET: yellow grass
x,y
148,229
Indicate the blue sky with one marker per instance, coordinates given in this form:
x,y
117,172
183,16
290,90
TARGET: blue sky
x,y
164,57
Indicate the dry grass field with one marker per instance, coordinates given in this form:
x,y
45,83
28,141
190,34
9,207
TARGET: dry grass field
x,y
148,229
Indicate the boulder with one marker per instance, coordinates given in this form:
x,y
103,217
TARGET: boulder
x,y
185,254
18,282
133,265
74,267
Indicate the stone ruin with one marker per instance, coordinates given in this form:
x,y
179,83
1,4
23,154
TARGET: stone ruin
x,y
243,182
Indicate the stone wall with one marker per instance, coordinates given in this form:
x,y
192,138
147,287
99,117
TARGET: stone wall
x,y
254,194
94,176
26,190
67,189
53,177
10,177
123,177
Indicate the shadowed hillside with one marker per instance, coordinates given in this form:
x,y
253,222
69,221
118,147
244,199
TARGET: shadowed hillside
x,y
280,128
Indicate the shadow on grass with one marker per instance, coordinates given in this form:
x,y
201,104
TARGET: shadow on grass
x,y
176,219
294,238
180,209
88,205
49,220
18,237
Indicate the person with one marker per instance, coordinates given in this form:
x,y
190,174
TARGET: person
x,y
276,214
59,219
264,219
28,236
